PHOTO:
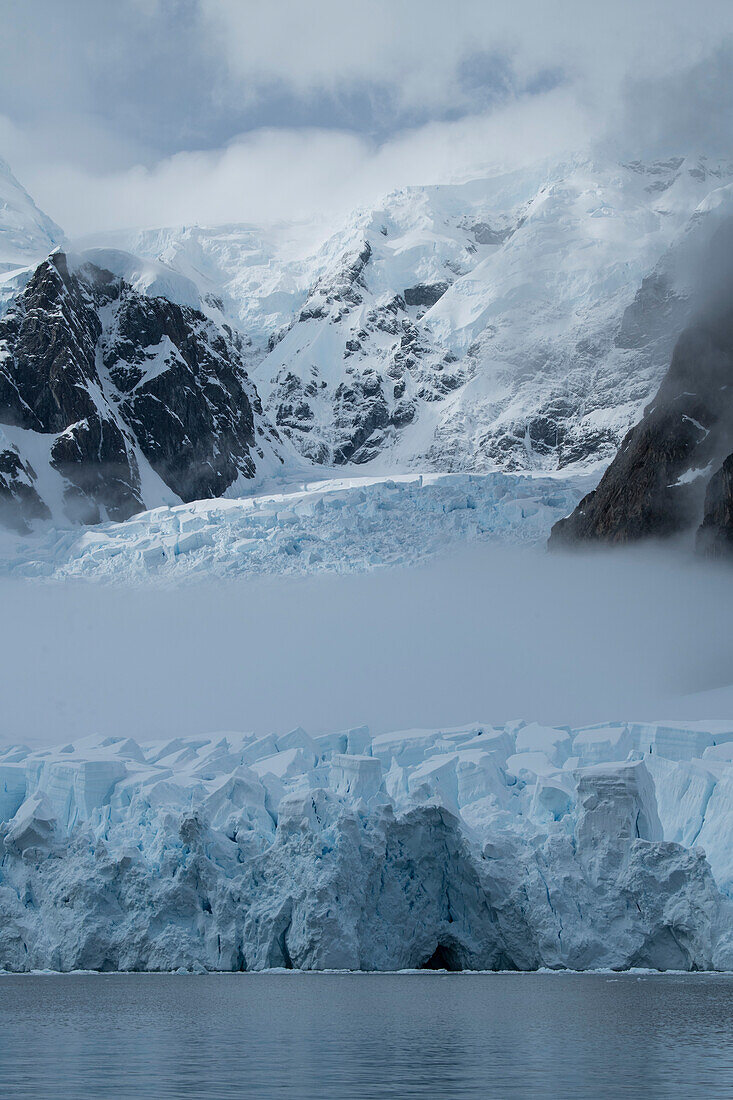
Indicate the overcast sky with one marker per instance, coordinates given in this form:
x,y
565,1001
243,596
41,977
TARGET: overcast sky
x,y
165,111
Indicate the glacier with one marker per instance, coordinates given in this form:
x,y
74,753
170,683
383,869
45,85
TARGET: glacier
x,y
330,525
475,847
477,350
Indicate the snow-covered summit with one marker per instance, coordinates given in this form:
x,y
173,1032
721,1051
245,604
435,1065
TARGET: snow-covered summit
x,y
27,235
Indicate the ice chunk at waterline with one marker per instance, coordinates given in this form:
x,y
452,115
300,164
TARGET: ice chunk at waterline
x,y
478,846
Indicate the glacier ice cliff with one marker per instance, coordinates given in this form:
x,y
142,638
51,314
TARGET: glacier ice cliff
x,y
469,848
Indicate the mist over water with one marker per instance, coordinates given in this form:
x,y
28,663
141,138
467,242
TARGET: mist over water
x,y
490,634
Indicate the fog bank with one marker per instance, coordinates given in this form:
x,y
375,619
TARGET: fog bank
x,y
488,635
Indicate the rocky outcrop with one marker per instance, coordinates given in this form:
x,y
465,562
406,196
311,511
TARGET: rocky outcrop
x,y
118,387
387,364
715,537
424,294
656,486
20,504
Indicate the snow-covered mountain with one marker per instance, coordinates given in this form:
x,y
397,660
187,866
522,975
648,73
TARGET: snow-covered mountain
x,y
476,847
27,236
521,320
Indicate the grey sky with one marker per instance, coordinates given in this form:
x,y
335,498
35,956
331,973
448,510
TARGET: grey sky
x,y
164,110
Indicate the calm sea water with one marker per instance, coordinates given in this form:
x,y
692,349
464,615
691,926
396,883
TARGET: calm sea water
x,y
364,1037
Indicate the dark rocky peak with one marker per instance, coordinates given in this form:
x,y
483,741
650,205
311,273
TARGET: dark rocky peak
x,y
50,385
113,379
660,483
342,287
49,339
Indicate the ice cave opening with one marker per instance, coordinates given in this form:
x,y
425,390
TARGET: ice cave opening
x,y
443,958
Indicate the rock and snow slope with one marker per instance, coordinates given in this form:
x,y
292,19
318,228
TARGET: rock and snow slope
x,y
672,472
473,847
520,320
517,322
114,397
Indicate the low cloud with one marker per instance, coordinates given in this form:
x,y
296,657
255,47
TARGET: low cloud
x,y
490,635
150,112
273,175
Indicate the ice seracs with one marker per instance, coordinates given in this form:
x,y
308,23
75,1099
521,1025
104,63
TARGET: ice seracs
x,y
346,524
479,847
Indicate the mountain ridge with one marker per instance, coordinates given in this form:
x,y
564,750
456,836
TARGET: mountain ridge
x,y
519,322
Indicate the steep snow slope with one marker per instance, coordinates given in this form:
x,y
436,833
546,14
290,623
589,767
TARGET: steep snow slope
x,y
26,233
521,320
472,847
27,236
339,525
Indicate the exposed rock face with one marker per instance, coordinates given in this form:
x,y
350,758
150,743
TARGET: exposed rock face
x,y
425,294
656,485
19,501
110,380
715,537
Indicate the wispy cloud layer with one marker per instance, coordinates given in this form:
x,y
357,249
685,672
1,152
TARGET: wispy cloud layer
x,y
163,111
